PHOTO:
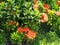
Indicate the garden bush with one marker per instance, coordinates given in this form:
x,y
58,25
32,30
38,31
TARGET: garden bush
x,y
28,22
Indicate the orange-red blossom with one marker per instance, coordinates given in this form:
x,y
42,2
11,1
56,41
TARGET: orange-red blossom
x,y
44,17
28,33
35,6
57,13
46,6
31,34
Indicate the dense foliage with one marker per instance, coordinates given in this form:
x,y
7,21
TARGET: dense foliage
x,y
27,22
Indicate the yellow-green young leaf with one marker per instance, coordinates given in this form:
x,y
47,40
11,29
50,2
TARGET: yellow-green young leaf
x,y
59,27
58,20
40,4
16,7
2,4
52,12
9,0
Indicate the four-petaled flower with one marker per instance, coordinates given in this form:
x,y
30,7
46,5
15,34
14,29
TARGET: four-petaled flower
x,y
46,6
44,18
31,34
35,6
20,29
57,13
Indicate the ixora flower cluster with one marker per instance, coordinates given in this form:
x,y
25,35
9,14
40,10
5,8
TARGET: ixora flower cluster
x,y
46,6
30,34
23,33
44,16
27,32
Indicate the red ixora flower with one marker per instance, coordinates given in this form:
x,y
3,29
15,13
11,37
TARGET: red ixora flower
x,y
26,29
46,6
58,3
57,13
20,29
30,34
44,18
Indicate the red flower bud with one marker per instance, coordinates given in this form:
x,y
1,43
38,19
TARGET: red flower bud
x,y
46,6
20,29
